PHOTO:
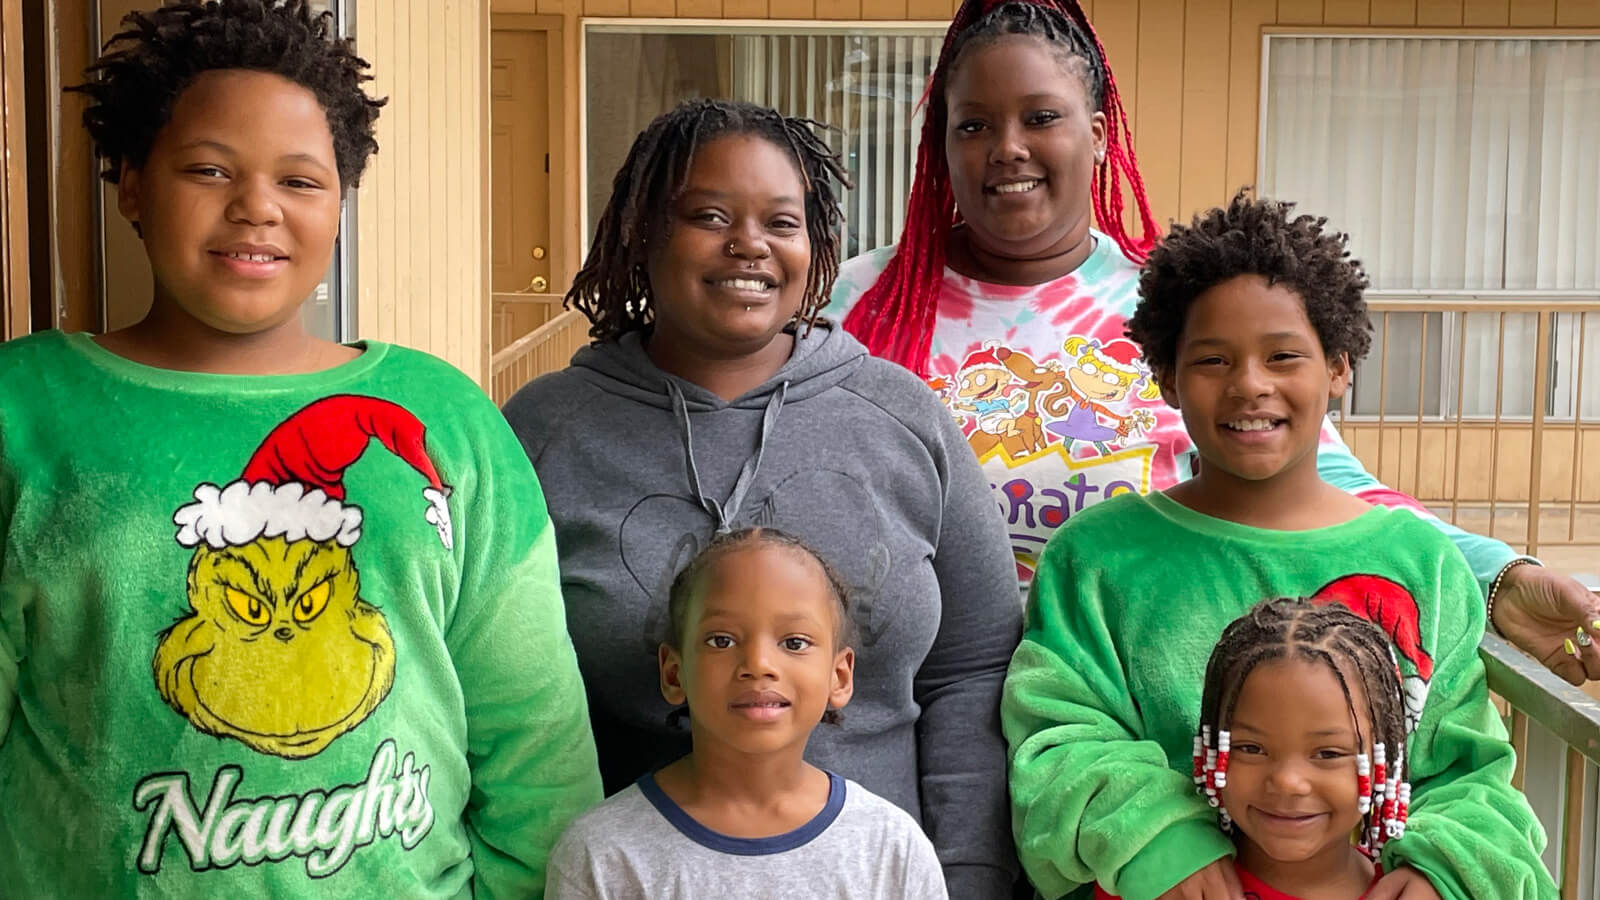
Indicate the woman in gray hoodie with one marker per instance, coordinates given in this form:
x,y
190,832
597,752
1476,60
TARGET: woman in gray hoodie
x,y
715,398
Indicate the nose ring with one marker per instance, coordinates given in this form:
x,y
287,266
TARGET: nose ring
x,y
729,249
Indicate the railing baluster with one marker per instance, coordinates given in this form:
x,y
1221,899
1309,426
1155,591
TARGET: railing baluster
x,y
1541,386
1572,825
1461,406
1576,488
1422,393
1494,436
1383,394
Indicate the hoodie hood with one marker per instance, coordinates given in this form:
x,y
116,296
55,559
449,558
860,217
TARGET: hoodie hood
x,y
821,359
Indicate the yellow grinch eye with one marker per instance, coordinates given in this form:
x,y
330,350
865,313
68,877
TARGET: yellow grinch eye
x,y
311,604
250,610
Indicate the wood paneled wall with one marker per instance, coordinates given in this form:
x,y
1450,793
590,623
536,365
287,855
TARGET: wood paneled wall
x,y
422,268
1189,70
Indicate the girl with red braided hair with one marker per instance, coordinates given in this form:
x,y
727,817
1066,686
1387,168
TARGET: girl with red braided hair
x,y
1011,286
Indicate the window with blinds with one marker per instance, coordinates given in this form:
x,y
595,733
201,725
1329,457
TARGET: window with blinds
x,y
865,84
1456,163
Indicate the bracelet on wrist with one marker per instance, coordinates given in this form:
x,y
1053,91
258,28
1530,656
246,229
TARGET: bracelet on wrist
x,y
1494,590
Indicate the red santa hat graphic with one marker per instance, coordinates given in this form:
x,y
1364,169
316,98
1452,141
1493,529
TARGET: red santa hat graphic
x,y
979,360
1388,605
1122,356
293,485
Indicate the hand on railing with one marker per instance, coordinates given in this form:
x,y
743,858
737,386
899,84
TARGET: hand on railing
x,y
1543,613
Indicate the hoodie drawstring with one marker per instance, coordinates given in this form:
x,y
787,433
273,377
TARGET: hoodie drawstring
x,y
723,514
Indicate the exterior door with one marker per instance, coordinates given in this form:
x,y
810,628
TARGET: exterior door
x,y
519,187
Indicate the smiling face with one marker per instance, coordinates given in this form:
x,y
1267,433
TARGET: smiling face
x,y
1022,141
238,202
981,383
1291,788
760,661
1096,383
729,271
1252,381
278,651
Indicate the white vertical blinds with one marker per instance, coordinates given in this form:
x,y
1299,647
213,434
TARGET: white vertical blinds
x,y
868,88
1455,164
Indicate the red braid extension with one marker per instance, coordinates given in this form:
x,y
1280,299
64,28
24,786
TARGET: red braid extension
x,y
895,317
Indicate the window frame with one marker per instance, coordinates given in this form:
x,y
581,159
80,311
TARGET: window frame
x,y
1449,408
784,27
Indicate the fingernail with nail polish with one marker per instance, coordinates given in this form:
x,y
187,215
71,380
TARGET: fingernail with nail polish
x,y
1571,650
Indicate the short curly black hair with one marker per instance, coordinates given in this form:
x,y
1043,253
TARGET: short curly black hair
x,y
1252,237
144,68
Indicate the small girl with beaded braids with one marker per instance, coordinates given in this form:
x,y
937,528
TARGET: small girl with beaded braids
x,y
1301,749
714,399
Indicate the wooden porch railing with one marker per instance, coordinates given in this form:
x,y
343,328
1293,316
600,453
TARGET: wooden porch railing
x,y
1519,477
545,349
516,315
1555,729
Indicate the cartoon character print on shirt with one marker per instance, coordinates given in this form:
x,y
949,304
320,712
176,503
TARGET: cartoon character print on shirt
x,y
1050,435
1004,399
1100,375
1392,608
279,652
983,390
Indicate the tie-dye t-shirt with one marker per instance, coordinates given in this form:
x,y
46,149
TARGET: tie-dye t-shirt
x,y
1061,409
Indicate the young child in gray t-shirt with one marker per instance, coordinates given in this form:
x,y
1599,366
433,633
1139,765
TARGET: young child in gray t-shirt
x,y
759,650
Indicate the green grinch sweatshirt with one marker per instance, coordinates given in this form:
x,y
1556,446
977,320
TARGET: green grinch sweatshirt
x,y
289,636
1102,699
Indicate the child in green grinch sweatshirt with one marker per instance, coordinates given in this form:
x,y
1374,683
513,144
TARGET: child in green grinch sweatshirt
x,y
1251,320
278,616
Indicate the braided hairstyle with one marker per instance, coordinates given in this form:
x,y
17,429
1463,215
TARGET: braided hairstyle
x,y
684,585
136,81
895,317
613,288
1330,634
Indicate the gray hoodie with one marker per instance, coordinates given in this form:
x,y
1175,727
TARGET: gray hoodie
x,y
855,456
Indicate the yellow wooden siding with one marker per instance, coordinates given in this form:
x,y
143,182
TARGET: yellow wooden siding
x,y
422,263
1578,13
1533,13
1393,12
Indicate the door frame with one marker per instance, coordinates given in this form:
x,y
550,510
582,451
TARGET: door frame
x,y
561,112
16,304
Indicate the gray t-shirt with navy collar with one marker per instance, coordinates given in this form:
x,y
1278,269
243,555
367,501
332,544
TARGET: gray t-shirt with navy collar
x,y
639,845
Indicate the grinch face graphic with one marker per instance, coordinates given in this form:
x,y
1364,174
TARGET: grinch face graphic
x,y
278,650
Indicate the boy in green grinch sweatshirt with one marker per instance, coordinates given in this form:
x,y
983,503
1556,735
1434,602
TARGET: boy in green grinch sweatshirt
x,y
1251,320
278,616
